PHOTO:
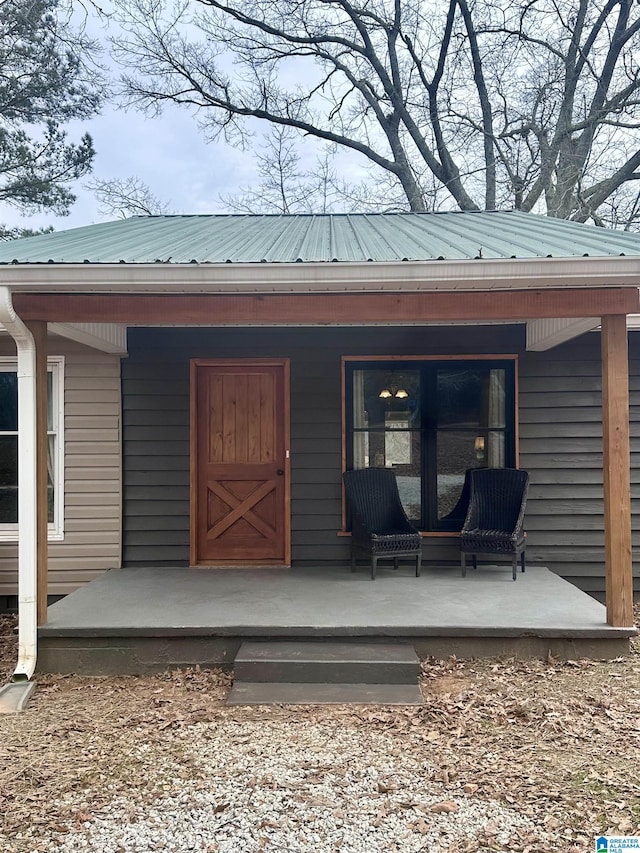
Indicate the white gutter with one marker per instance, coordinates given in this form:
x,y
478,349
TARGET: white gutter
x,y
366,277
27,492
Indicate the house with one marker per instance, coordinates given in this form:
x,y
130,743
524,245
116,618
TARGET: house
x,y
210,377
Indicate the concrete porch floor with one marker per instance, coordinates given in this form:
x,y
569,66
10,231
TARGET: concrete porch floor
x,y
137,620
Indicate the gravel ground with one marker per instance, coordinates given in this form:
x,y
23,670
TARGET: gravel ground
x,y
505,755
277,785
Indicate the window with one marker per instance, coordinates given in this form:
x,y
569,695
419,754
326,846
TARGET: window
x,y
9,448
430,420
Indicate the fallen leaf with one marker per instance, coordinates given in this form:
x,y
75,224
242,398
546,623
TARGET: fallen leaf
x,y
445,807
421,826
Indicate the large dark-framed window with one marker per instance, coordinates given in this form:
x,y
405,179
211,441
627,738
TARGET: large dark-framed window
x,y
431,419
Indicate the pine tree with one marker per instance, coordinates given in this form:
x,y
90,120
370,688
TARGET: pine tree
x,y
47,78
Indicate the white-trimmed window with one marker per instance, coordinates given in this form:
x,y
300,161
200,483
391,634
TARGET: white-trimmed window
x,y
9,448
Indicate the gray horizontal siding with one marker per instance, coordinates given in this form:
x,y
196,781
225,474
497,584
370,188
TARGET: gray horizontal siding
x,y
561,447
560,438
93,486
156,428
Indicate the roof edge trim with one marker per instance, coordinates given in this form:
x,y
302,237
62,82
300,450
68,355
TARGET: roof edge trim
x,y
502,274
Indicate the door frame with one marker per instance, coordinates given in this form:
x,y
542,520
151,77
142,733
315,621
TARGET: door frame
x,y
196,363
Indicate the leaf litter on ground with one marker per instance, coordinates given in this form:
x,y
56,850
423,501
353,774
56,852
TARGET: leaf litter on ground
x,y
556,741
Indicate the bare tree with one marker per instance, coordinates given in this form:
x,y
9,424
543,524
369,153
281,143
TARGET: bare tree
x,y
126,197
470,103
285,186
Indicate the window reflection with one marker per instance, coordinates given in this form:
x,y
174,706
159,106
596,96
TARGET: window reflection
x,y
371,410
9,447
431,422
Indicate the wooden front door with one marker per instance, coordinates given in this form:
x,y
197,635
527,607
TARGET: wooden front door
x,y
239,463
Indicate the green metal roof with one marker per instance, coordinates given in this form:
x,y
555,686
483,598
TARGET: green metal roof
x,y
218,239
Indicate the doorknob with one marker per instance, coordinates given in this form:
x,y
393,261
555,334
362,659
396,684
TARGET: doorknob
x,y
279,472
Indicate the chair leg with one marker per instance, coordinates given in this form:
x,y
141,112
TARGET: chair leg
x,y
522,560
374,566
474,561
418,563
514,566
395,564
463,564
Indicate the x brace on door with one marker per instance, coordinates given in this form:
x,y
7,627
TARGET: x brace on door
x,y
242,509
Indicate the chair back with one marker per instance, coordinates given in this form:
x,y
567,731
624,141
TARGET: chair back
x,y
497,499
373,494
459,512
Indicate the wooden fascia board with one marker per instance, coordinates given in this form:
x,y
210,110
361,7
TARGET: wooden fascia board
x,y
466,275
320,309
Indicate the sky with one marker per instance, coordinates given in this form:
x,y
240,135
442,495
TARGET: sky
x,y
168,153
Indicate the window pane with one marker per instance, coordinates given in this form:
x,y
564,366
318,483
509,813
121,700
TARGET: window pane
x,y
495,450
431,421
51,455
410,488
378,393
496,399
397,449
8,401
471,398
8,479
456,453
49,401
9,452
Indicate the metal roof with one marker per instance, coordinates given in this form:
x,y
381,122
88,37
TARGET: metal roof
x,y
217,239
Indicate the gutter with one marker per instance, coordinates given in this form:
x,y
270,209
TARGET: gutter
x,y
313,277
27,494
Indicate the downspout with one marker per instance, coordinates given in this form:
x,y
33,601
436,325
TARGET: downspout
x,y
27,492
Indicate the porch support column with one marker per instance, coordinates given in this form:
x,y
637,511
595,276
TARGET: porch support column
x,y
616,474
38,329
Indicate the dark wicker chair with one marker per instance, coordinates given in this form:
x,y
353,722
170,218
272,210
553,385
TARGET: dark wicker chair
x,y
459,512
380,529
494,522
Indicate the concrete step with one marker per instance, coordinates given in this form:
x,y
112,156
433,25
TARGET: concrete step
x,y
279,693
327,663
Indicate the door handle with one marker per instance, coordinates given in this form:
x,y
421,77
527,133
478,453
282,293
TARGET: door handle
x,y
280,472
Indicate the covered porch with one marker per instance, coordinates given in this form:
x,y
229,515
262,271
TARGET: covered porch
x,y
417,298
137,620
538,308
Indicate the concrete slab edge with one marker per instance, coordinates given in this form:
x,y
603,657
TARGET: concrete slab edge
x,y
381,633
